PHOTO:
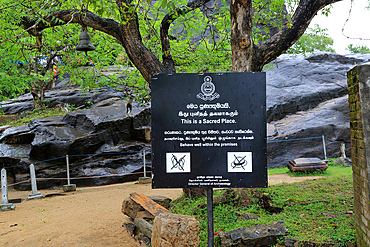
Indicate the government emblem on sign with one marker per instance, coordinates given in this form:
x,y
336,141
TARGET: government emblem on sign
x,y
208,90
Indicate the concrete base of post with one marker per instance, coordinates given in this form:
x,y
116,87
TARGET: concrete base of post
x,y
7,207
35,196
145,180
69,188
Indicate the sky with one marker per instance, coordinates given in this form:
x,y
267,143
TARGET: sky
x,y
358,25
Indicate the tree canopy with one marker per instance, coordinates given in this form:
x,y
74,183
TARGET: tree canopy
x,y
161,36
358,48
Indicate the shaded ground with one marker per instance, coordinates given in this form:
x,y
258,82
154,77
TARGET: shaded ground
x,y
90,216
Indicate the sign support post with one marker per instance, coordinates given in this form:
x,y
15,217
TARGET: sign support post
x,y
210,217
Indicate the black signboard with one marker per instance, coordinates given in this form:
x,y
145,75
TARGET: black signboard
x,y
209,130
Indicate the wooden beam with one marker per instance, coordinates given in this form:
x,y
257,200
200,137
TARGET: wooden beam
x,y
148,204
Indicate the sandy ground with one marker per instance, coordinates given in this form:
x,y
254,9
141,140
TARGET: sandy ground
x,y
90,216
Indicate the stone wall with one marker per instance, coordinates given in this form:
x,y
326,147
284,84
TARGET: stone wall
x,y
359,103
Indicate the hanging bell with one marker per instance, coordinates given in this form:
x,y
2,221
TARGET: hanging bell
x,y
84,41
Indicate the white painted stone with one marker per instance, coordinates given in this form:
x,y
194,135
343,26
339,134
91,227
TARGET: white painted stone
x,y
5,205
34,194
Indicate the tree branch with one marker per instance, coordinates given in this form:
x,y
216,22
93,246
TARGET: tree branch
x,y
64,17
143,59
168,62
127,33
270,49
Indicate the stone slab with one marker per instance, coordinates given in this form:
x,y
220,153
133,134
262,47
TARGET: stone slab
x,y
258,235
307,168
145,180
35,196
7,207
289,242
69,188
307,164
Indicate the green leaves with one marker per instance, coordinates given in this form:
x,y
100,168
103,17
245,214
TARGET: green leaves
x,y
18,48
164,4
269,14
314,39
199,41
171,4
358,48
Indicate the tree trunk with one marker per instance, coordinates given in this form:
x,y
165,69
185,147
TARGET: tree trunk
x,y
241,35
143,59
130,38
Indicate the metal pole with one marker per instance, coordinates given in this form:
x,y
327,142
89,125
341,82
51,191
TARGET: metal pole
x,y
144,163
68,180
323,144
210,216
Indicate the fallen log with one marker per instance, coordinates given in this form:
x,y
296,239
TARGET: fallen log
x,y
145,227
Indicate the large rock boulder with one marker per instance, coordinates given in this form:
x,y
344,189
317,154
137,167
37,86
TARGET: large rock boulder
x,y
175,230
71,96
296,83
307,98
330,118
104,140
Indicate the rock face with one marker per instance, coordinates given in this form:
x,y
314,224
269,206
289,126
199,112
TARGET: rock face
x,y
330,118
70,96
104,140
175,230
298,84
307,97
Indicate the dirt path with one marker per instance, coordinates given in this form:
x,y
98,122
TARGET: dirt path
x,y
88,217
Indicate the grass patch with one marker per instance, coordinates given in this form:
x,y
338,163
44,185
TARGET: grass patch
x,y
27,117
317,210
304,174
329,172
281,170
